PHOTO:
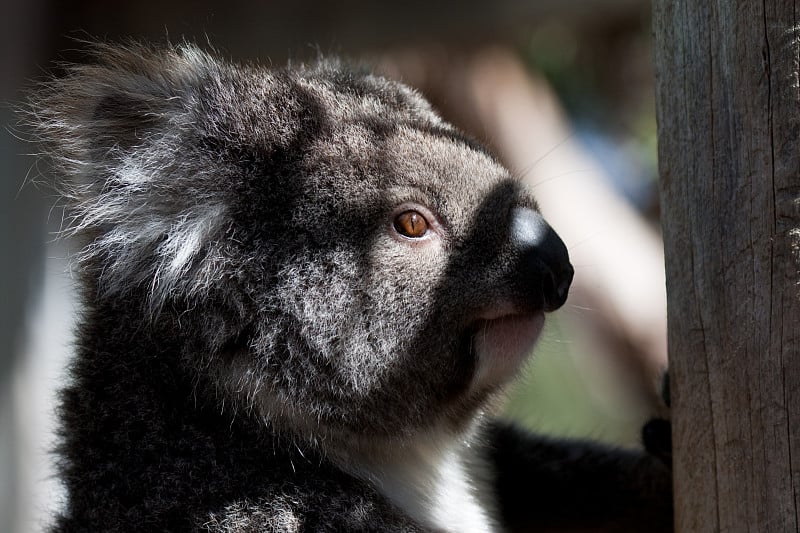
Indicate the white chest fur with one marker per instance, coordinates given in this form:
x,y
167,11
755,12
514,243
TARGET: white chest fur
x,y
445,488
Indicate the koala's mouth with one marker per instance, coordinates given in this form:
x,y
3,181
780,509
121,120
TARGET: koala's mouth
x,y
500,344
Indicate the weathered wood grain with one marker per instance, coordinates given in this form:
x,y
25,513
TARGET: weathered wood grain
x,y
728,106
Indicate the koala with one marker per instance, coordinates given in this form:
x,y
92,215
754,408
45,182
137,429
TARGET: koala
x,y
303,294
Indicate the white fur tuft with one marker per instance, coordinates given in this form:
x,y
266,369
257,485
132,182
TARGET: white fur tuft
x,y
440,481
152,214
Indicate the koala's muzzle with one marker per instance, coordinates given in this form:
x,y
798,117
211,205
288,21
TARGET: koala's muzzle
x,y
544,269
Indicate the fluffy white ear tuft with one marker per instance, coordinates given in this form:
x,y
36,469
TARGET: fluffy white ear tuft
x,y
119,134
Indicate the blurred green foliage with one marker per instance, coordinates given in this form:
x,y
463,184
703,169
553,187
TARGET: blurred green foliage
x,y
552,396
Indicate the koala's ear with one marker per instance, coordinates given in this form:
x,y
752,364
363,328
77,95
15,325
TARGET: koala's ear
x,y
118,133
101,111
117,115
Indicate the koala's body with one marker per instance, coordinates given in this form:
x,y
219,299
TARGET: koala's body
x,y
303,291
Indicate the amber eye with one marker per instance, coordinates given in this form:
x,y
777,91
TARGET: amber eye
x,y
411,224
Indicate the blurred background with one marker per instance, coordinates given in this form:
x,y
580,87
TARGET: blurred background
x,y
561,90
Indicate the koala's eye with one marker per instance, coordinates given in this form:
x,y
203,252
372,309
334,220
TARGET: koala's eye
x,y
411,224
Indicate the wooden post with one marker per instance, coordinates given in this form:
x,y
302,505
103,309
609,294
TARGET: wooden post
x,y
728,107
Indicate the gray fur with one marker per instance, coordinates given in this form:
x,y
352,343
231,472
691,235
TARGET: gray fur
x,y
260,350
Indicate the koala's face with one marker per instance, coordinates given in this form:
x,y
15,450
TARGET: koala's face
x,y
325,249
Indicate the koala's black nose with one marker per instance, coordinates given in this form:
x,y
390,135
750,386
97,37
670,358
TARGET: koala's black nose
x,y
544,266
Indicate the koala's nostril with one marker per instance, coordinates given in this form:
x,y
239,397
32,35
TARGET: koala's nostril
x,y
562,282
544,269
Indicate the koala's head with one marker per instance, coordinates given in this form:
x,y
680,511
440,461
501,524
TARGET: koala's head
x,y
321,245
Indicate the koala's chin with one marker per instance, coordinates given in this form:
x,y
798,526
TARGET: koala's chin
x,y
502,344
300,289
